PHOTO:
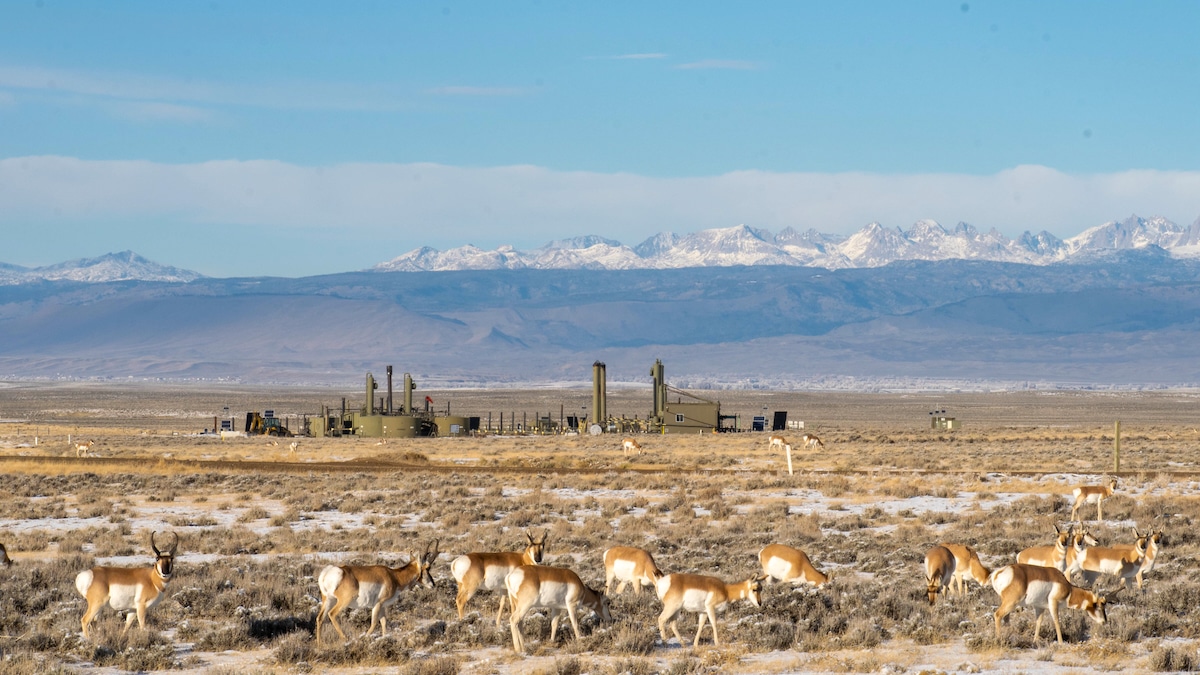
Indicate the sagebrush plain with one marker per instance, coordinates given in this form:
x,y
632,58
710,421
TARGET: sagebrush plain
x,y
258,522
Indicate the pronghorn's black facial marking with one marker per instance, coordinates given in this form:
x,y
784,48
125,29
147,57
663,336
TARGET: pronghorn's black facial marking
x,y
164,560
537,547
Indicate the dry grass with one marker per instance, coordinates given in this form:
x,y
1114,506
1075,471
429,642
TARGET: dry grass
x,y
866,508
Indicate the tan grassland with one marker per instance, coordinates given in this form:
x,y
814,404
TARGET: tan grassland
x,y
258,523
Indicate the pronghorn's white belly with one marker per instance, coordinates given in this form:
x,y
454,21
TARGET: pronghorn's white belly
x,y
696,600
494,575
369,593
781,569
554,594
626,570
1037,593
124,596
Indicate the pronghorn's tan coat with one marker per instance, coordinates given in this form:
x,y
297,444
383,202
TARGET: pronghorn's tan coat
x,y
82,449
473,571
629,447
629,565
1093,494
1049,556
703,595
1150,557
127,588
966,565
554,588
1123,563
784,563
811,441
939,571
375,586
1043,589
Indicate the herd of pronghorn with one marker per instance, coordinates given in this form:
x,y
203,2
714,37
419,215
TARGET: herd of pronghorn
x,y
1040,579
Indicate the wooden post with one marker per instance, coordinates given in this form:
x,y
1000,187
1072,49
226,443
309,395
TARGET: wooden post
x,y
788,447
1117,447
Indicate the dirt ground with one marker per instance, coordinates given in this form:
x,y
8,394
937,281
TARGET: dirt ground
x,y
866,505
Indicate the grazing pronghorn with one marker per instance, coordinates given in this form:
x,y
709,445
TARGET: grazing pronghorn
x,y
939,571
1152,540
626,564
82,449
630,446
473,571
374,586
1043,589
777,441
966,565
1049,556
4,556
703,595
1093,494
811,441
127,588
784,563
554,588
293,447
1123,563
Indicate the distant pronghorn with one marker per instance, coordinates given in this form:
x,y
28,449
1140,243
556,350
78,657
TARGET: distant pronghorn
x,y
1093,494
811,441
127,588
778,441
82,449
630,446
1042,588
295,445
374,586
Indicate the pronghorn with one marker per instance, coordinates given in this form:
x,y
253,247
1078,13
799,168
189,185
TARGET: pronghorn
x,y
630,446
82,449
1041,588
1049,556
779,441
1081,539
374,586
1152,539
966,565
473,571
811,441
703,595
784,563
126,588
553,588
626,564
1093,494
293,447
4,556
939,571
1123,563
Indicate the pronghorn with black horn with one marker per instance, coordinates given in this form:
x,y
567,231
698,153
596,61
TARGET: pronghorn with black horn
x,y
626,564
1093,494
939,571
784,563
553,588
703,595
1043,589
1049,556
127,588
375,586
966,565
473,571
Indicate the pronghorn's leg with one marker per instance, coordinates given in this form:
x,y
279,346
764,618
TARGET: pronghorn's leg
x,y
701,618
138,614
503,599
92,610
1054,616
514,623
333,614
574,620
670,613
712,618
322,612
374,619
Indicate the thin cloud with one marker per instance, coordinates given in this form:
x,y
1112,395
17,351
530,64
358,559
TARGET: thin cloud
x,y
478,91
719,64
403,206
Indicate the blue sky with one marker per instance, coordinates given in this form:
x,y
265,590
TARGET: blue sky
x,y
297,138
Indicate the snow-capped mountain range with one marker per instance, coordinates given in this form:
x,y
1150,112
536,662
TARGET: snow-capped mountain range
x,y
123,266
872,246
